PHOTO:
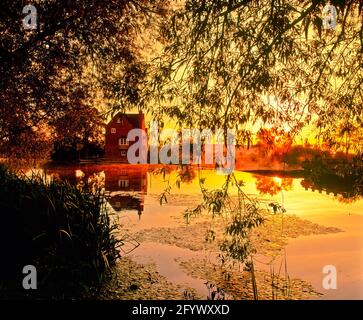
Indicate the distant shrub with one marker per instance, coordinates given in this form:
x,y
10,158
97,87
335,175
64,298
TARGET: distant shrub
x,y
64,232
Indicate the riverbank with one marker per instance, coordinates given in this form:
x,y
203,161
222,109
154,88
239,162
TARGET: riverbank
x,y
135,281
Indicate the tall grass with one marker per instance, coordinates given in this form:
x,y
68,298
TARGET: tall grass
x,y
61,230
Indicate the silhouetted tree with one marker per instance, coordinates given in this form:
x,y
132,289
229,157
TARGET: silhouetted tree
x,y
92,45
238,64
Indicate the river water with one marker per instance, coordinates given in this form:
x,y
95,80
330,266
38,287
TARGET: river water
x,y
135,192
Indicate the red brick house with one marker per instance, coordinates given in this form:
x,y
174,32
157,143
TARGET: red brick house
x,y
116,144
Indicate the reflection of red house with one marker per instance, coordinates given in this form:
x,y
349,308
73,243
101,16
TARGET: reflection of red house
x,y
126,179
117,129
127,187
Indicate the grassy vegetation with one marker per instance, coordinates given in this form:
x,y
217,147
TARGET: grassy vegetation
x,y
64,232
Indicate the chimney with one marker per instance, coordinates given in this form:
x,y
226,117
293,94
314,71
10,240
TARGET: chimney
x,y
141,119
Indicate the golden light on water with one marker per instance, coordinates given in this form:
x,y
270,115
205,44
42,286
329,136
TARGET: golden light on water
x,y
277,180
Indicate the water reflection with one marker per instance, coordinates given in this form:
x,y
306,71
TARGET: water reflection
x,y
272,185
127,190
134,187
187,174
343,189
125,186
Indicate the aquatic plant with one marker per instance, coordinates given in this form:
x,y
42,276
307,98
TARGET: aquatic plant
x,y
64,232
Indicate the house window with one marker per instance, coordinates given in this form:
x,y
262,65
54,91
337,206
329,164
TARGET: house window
x,y
123,183
113,130
123,142
119,120
123,153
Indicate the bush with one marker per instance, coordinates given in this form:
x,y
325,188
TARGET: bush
x,y
64,232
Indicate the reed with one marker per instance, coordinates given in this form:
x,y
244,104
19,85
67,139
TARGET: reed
x,y
63,231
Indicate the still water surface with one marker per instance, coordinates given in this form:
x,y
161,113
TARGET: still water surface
x,y
135,194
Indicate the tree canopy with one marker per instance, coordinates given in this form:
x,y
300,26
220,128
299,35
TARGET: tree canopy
x,y
235,64
81,50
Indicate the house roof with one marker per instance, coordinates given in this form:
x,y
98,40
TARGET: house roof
x,y
134,118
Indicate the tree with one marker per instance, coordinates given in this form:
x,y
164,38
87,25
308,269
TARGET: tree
x,y
242,64
275,143
234,64
79,131
87,44
344,135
